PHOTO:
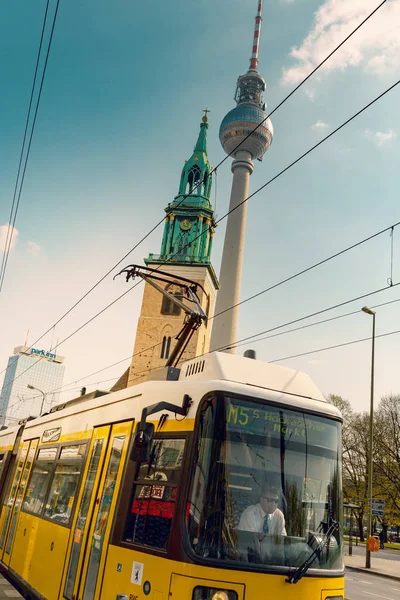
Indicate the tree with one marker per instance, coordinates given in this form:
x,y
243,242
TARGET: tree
x,y
387,457
355,440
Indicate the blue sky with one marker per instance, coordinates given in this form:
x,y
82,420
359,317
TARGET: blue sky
x,y
122,100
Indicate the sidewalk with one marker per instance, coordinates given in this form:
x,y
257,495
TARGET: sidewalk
x,y
379,566
7,590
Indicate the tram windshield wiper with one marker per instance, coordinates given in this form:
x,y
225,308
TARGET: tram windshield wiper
x,y
296,575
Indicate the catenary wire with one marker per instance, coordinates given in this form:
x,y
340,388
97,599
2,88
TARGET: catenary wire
x,y
280,173
243,342
8,240
314,314
214,169
29,144
354,312
130,357
73,333
382,335
310,268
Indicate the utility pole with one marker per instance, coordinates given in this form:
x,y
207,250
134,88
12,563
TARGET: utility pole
x,y
371,312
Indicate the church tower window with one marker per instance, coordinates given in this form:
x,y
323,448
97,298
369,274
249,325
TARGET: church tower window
x,y
164,341
194,176
165,347
168,307
168,348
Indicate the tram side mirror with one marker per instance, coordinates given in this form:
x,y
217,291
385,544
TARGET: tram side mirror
x,y
144,433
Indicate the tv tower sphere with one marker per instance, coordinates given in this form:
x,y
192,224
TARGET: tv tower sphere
x,y
238,125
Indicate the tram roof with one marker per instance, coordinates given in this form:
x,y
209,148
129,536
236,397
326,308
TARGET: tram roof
x,y
216,371
248,371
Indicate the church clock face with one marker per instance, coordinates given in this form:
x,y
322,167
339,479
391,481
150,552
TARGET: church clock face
x,y
186,224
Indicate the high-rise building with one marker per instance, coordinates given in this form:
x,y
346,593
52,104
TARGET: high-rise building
x,y
186,252
246,133
30,379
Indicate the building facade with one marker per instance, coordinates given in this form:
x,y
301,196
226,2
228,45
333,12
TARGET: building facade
x,y
185,252
42,370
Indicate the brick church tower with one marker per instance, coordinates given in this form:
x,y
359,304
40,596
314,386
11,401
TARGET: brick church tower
x,y
186,252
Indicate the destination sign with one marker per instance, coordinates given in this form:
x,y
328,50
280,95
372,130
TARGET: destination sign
x,y
51,435
275,422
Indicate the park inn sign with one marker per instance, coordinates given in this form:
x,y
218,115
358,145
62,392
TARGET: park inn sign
x,y
35,352
48,355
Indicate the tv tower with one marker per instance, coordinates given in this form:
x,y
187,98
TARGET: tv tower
x,y
246,133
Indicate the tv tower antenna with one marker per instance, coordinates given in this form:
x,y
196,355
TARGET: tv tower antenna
x,y
256,40
246,133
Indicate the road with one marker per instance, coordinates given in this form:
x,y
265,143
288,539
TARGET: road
x,y
387,554
362,586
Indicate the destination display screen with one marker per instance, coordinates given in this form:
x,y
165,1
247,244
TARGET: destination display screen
x,y
280,423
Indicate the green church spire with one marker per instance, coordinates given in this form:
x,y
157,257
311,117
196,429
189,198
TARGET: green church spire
x,y
201,144
190,224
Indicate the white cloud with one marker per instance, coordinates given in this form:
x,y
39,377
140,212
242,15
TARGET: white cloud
x,y
310,94
33,249
379,137
4,232
319,126
375,46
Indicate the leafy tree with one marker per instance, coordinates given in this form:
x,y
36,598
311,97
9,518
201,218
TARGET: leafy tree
x,y
355,440
386,457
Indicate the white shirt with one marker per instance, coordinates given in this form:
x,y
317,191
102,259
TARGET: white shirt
x,y
252,519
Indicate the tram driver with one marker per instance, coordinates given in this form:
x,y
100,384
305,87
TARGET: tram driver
x,y
264,517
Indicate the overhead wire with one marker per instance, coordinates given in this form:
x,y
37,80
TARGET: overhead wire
x,y
8,240
342,345
244,341
354,312
215,168
310,268
130,357
279,174
29,148
314,314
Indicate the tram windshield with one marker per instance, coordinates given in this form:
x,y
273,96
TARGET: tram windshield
x,y
266,487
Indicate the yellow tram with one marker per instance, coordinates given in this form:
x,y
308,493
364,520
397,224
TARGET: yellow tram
x,y
140,493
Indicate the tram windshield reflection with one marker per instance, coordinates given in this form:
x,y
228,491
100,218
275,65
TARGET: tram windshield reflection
x,y
267,485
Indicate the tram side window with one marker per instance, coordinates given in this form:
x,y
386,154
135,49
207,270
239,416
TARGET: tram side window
x,y
54,483
3,474
154,494
39,481
64,484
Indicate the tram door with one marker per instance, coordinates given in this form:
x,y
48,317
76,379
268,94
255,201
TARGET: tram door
x,y
91,530
14,501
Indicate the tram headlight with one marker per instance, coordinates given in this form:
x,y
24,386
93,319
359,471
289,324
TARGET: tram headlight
x,y
202,592
221,595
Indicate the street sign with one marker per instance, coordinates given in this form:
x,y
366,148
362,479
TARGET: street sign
x,y
378,507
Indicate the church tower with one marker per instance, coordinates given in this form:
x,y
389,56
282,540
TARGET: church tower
x,y
185,252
